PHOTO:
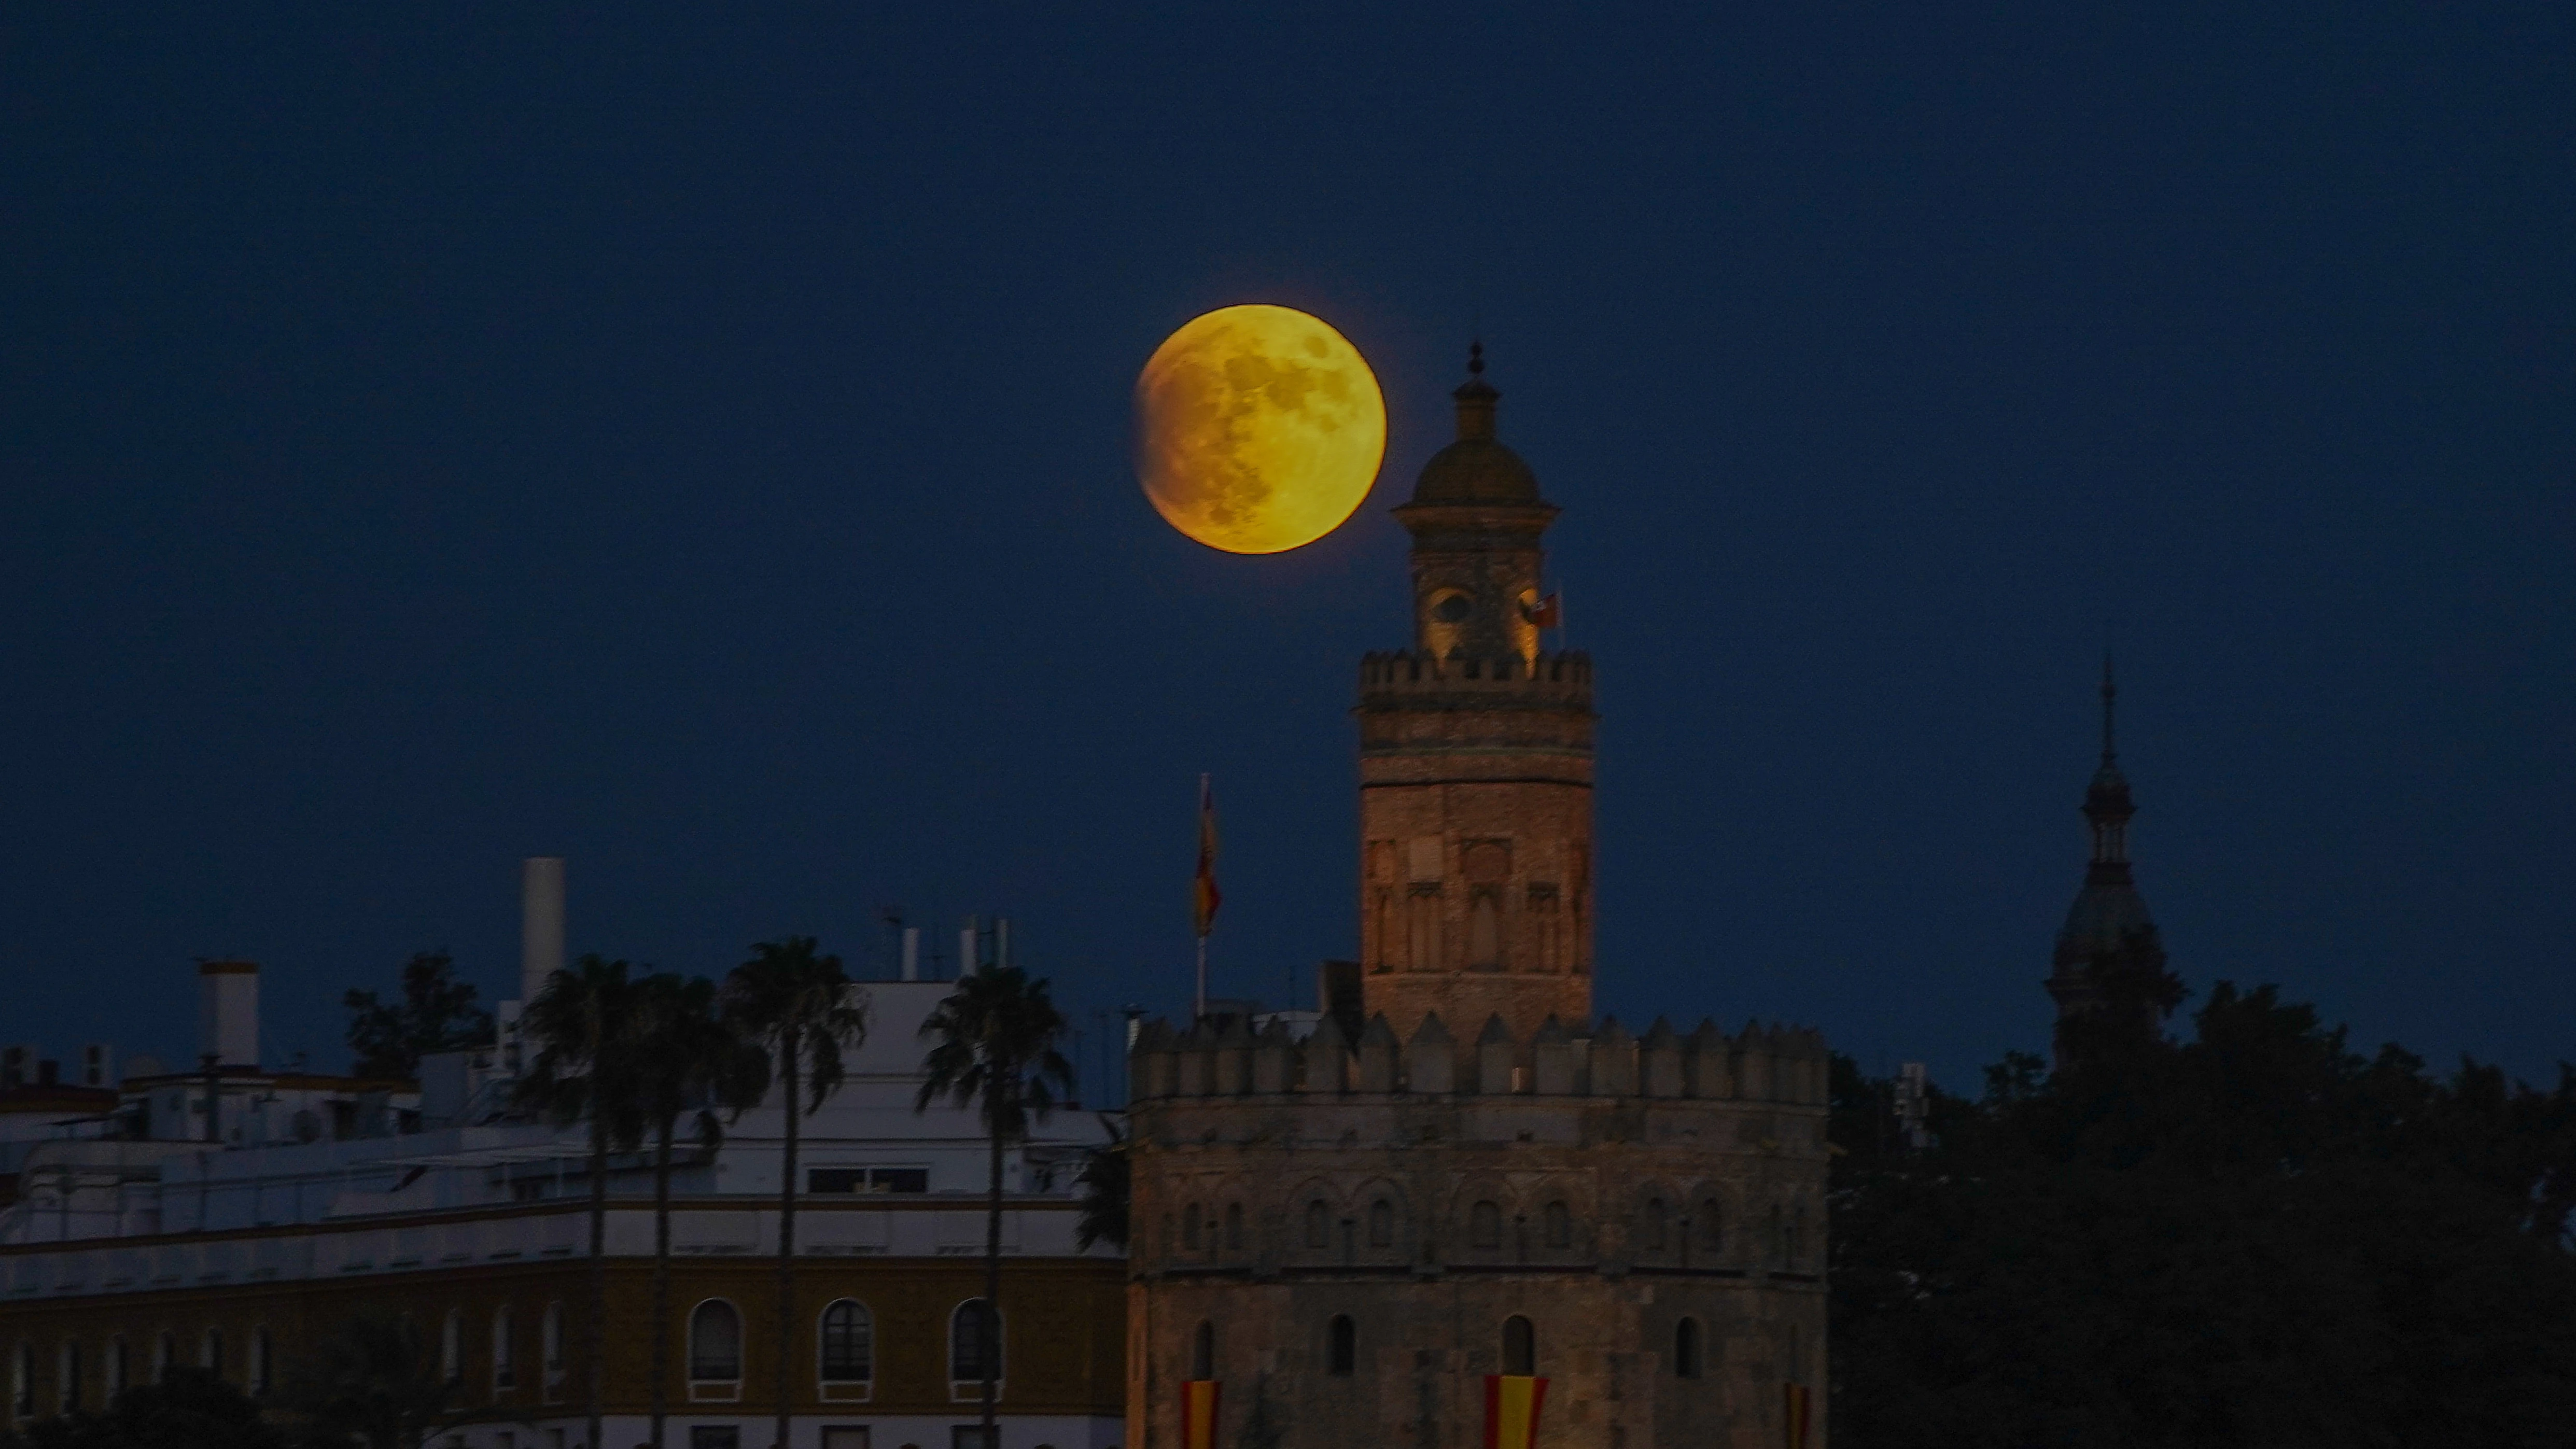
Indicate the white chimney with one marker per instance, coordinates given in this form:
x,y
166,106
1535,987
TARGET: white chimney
x,y
228,1012
912,953
541,922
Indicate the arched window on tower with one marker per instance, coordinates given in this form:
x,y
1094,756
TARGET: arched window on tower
x,y
1712,1226
1381,1224
1203,1351
1342,1346
1520,1346
1234,1225
1559,1225
1653,1229
1686,1349
1193,1227
1485,1226
1319,1225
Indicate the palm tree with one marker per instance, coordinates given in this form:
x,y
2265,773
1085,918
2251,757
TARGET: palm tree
x,y
799,1004
697,1065
995,1051
371,1379
583,1023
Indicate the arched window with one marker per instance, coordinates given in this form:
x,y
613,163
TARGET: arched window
x,y
1686,1349
1778,1234
165,1352
1712,1225
550,1341
1651,1232
1520,1346
1381,1224
115,1368
1203,1351
67,1378
263,1355
715,1342
849,1343
1342,1346
1319,1225
505,1351
1793,1248
1485,1226
210,1352
451,1349
22,1381
1234,1225
1559,1224
972,1335
1193,1228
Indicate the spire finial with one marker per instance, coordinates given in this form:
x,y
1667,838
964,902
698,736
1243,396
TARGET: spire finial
x,y
2110,693
1476,396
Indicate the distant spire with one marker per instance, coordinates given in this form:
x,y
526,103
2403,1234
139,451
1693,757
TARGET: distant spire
x,y
2110,693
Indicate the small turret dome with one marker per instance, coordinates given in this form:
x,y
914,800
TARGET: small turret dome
x,y
1476,468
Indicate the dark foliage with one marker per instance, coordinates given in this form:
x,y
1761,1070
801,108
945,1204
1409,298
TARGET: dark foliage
x,y
2255,1237
1104,1183
436,1014
191,1409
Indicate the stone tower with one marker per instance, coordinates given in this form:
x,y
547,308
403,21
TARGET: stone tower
x,y
1348,1235
1476,762
2108,927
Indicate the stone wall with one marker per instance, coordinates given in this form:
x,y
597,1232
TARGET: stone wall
x,y
1603,1187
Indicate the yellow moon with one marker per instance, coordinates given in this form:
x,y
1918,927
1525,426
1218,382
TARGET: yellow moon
x,y
1258,429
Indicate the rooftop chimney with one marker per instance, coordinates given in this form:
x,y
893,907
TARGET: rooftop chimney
x,y
228,1012
541,922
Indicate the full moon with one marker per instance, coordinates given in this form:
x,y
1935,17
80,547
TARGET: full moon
x,y
1258,429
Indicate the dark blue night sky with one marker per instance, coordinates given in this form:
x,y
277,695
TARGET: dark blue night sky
x,y
698,448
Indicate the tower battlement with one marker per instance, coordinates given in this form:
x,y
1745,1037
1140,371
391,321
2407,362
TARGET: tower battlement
x,y
1417,679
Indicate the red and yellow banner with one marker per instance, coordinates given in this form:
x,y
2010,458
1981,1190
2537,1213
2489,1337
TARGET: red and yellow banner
x,y
1794,1412
1511,1410
1198,1414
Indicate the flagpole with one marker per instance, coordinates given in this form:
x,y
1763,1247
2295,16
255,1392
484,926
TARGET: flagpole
x,y
1202,911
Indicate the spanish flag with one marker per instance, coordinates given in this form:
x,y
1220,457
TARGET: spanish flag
x,y
1204,897
1511,1410
1198,1414
1794,1412
1547,613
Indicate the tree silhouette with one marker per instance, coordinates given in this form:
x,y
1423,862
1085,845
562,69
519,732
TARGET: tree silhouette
x,y
587,1070
994,1049
802,1006
436,1014
699,1070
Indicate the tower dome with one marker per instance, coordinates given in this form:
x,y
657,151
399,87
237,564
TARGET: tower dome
x,y
1476,469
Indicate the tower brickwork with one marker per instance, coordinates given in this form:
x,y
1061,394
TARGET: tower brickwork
x,y
1476,762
